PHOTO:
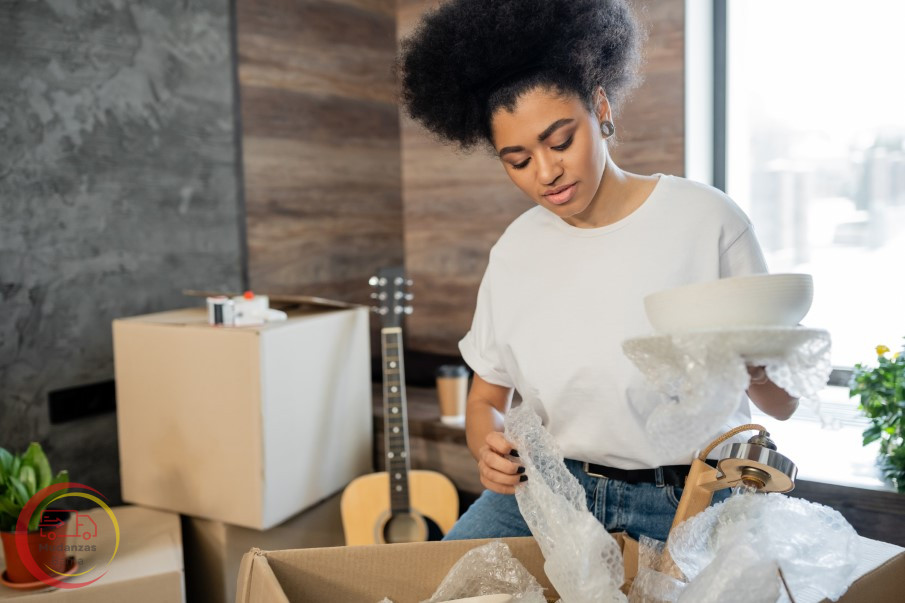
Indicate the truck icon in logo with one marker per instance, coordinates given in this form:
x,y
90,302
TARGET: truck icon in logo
x,y
84,525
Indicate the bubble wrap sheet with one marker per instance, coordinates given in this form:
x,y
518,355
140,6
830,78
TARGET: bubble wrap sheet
x,y
489,570
653,582
741,575
701,375
748,534
583,561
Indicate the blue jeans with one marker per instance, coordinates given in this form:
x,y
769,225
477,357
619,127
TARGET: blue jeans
x,y
638,509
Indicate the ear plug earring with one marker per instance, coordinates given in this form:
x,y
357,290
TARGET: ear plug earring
x,y
607,128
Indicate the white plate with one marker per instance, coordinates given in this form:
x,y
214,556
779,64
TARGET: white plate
x,y
748,342
484,599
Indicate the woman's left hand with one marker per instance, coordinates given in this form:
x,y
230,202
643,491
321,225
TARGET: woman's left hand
x,y
769,397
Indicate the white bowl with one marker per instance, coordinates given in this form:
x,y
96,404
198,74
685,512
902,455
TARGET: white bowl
x,y
779,300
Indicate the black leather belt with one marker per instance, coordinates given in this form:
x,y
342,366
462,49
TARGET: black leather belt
x,y
668,475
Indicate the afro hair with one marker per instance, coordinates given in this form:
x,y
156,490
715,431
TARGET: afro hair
x,y
468,58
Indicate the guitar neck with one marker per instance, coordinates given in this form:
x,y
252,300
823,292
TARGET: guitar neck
x,y
395,419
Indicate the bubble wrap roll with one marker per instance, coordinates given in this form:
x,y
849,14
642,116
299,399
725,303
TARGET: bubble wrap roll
x,y
583,561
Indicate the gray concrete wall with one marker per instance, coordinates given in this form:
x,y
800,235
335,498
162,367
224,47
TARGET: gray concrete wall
x,y
119,187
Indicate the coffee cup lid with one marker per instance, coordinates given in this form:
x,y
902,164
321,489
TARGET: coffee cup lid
x,y
452,370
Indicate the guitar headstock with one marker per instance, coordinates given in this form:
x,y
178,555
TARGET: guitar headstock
x,y
391,295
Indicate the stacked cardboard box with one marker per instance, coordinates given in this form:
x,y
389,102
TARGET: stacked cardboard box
x,y
214,549
146,568
242,429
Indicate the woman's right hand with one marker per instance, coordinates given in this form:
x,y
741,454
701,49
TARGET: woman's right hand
x,y
498,473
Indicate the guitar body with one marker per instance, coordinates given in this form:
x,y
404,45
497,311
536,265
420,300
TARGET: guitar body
x,y
368,519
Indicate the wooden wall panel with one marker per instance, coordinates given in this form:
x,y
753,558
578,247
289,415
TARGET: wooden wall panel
x,y
320,144
456,206
651,126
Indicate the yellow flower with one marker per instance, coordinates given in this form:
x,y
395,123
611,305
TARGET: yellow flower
x,y
882,349
896,355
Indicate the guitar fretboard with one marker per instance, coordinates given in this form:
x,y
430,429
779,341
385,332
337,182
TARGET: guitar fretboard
x,y
395,419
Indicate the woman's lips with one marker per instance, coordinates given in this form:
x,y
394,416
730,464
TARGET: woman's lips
x,y
562,196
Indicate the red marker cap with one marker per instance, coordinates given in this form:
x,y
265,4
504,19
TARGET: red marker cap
x,y
248,295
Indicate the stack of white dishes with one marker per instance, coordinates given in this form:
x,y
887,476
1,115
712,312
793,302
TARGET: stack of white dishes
x,y
707,335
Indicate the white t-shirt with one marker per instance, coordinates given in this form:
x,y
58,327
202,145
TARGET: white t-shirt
x,y
557,301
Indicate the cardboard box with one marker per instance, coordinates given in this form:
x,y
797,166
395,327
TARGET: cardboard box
x,y
403,572
214,550
408,573
147,567
245,425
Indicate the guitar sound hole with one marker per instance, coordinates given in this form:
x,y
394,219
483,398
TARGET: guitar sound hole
x,y
404,527
434,533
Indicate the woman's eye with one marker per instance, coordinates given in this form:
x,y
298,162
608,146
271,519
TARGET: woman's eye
x,y
564,145
520,166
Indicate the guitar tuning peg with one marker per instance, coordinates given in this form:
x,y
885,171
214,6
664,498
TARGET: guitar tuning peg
x,y
409,296
374,295
409,310
382,311
398,281
398,295
382,281
398,309
372,281
382,295
409,282
375,309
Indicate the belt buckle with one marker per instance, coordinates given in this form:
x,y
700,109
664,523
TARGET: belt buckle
x,y
586,466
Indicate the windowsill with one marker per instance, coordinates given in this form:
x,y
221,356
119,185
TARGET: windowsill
x,y
832,454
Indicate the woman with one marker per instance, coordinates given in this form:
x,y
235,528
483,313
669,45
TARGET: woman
x,y
538,81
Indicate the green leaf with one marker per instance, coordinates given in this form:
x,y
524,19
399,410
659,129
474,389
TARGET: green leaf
x,y
9,507
6,462
35,457
19,491
871,434
39,512
29,479
62,476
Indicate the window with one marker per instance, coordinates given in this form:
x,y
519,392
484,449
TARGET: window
x,y
815,137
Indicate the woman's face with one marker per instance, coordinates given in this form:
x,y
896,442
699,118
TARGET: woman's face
x,y
552,149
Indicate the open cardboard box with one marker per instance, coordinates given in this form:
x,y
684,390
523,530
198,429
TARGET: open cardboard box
x,y
408,573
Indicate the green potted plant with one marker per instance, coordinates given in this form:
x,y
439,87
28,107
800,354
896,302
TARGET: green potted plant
x,y
21,476
882,391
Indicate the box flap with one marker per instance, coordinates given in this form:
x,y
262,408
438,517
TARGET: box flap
x,y
257,581
629,548
881,583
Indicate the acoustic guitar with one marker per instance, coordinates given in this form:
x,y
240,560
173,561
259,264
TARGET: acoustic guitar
x,y
399,504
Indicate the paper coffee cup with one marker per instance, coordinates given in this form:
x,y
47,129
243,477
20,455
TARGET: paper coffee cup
x,y
452,392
